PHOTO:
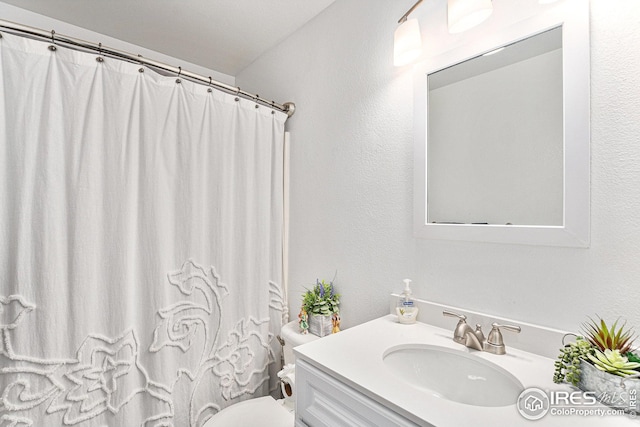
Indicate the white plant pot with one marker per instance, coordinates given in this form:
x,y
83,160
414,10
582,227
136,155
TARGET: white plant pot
x,y
320,325
608,390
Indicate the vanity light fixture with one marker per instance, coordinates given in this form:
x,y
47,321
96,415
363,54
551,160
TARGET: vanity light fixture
x,y
407,41
462,15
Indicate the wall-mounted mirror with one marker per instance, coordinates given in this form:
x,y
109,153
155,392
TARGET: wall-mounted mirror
x,y
495,137
502,136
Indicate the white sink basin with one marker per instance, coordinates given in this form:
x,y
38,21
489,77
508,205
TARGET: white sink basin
x,y
453,375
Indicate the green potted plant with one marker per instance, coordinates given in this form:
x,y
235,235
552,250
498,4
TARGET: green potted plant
x,y
602,361
321,303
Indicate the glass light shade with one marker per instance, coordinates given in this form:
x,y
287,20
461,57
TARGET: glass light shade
x,y
465,14
407,43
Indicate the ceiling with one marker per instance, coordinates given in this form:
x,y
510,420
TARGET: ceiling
x,y
221,35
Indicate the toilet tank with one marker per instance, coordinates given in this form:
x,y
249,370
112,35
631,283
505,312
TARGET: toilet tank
x,y
290,334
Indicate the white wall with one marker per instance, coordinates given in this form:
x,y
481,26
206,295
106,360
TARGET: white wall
x,y
26,17
351,189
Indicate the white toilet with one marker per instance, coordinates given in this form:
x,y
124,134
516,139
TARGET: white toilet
x,y
266,411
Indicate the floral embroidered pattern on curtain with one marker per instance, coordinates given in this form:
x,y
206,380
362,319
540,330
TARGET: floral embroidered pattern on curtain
x,y
117,187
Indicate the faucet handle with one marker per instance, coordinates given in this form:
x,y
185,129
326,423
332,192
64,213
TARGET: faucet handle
x,y
495,342
462,317
511,328
458,333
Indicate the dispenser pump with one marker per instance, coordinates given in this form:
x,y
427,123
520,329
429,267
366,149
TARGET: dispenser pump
x,y
407,289
406,311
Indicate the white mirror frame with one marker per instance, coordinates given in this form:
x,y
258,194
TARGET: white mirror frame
x,y
573,16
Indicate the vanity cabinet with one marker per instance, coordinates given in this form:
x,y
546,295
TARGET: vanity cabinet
x,y
325,401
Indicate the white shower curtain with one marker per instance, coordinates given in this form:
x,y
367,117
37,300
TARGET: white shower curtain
x,y
141,243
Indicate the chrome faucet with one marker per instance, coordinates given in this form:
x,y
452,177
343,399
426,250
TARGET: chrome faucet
x,y
465,335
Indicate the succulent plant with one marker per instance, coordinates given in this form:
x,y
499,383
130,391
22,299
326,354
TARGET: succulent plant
x,y
567,367
613,362
633,357
606,348
605,338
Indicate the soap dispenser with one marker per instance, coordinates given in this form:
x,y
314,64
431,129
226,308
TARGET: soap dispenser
x,y
406,310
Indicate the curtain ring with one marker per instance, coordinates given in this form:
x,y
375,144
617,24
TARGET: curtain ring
x,y
210,90
179,72
100,58
52,47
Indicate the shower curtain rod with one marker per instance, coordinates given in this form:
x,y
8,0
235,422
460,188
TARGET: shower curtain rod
x,y
57,39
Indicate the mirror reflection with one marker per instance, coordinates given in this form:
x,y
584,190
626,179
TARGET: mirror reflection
x,y
495,137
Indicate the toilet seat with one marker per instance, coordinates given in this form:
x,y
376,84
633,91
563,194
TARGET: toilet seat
x,y
262,411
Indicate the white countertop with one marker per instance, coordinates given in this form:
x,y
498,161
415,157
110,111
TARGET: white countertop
x,y
355,356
